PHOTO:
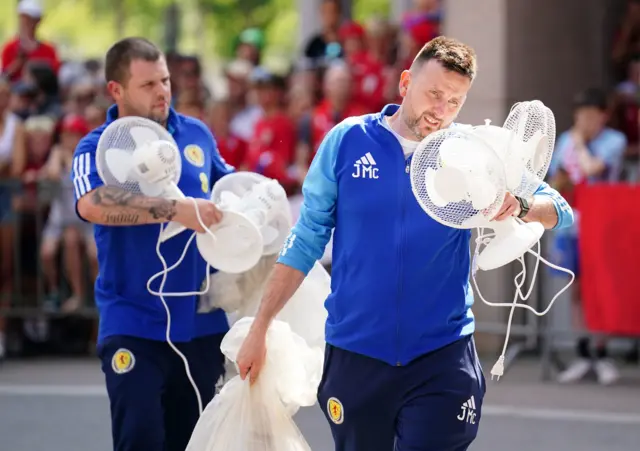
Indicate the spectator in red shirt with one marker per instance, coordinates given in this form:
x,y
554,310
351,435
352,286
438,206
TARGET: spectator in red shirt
x,y
368,73
232,148
26,47
337,105
272,148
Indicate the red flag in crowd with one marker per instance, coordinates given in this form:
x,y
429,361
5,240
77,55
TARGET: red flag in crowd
x,y
610,258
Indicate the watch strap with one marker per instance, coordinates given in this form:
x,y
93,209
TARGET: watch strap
x,y
524,207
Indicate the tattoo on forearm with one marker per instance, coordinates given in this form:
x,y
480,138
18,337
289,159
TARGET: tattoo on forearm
x,y
123,207
164,211
121,218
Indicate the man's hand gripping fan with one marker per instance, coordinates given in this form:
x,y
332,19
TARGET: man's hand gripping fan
x,y
141,157
460,177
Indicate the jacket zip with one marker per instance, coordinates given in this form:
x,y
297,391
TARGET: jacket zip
x,y
400,256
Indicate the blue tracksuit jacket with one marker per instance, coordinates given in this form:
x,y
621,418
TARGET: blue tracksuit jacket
x,y
127,255
400,280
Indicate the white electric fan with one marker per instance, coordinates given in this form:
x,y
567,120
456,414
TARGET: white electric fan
x,y
261,214
140,156
525,145
458,179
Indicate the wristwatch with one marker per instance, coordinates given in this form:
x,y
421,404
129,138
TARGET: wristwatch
x,y
524,207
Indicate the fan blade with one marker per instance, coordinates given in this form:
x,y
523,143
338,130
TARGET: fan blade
x,y
450,183
539,151
119,163
516,165
482,192
434,197
498,138
143,135
460,154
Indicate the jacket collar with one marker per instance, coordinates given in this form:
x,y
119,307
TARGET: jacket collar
x,y
173,122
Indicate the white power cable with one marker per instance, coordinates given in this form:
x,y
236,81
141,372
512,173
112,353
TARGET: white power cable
x,y
519,280
164,273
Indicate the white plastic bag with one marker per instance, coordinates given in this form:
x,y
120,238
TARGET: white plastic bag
x,y
305,312
247,418
239,296
296,367
259,417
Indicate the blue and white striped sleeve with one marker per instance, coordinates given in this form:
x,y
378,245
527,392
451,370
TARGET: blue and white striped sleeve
x,y
83,170
563,209
309,237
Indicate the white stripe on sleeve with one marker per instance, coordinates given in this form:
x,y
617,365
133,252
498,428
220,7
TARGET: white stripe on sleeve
x,y
81,171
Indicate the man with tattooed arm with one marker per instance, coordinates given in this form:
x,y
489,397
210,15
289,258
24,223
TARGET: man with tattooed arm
x,y
153,405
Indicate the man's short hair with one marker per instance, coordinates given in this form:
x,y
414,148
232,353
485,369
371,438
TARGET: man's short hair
x,y
123,52
451,53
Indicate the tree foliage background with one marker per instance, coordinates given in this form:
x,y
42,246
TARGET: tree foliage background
x,y
85,28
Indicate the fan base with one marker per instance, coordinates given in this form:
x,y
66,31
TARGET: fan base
x,y
172,229
237,247
509,245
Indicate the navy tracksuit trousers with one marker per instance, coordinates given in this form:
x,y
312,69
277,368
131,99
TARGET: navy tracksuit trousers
x,y
153,404
432,404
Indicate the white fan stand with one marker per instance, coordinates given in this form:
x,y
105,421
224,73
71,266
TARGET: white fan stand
x,y
138,151
513,238
237,246
262,200
511,241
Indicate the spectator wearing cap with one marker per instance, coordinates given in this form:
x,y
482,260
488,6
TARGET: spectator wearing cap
x,y
589,152
249,46
64,228
337,105
23,98
368,72
330,17
26,47
272,148
244,114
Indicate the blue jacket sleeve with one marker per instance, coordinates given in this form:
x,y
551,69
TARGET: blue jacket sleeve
x,y
563,209
83,170
309,237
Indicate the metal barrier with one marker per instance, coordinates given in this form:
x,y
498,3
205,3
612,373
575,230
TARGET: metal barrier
x,y
27,297
533,335
529,334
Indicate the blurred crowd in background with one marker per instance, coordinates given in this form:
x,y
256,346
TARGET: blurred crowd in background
x,y
267,122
